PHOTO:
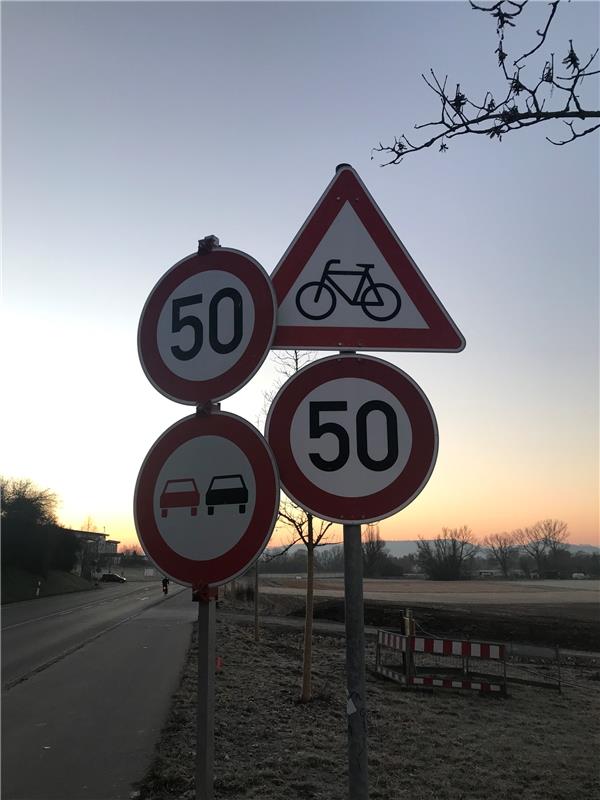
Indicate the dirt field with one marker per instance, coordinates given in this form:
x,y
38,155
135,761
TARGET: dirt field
x,y
534,745
474,592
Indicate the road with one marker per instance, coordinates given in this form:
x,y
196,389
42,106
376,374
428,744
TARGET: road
x,y
87,683
36,632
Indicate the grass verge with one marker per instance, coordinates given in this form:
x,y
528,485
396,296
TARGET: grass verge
x,y
17,584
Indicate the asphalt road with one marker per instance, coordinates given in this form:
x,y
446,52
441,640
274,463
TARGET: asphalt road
x,y
87,683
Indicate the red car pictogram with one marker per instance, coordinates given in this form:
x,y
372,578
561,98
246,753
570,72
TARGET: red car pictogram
x,y
180,493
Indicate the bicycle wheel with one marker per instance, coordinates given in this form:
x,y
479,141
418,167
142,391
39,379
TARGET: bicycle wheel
x,y
380,302
307,303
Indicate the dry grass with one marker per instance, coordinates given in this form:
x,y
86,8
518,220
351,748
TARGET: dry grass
x,y
534,745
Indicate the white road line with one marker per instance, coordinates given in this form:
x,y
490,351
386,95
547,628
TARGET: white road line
x,y
69,611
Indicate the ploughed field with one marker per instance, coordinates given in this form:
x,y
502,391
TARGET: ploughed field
x,y
548,613
535,743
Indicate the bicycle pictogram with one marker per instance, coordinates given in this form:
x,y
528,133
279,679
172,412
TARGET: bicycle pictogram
x,y
317,299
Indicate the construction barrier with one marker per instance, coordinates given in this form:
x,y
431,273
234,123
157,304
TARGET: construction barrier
x,y
441,663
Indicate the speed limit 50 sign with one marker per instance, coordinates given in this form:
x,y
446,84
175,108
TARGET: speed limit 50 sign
x,y
207,326
355,438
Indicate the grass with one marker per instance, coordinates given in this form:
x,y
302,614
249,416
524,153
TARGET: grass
x,y
17,584
535,745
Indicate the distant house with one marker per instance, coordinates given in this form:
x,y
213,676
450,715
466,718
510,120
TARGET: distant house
x,y
97,553
489,573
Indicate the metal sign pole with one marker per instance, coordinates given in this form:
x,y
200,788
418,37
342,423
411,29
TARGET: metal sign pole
x,y
205,723
358,775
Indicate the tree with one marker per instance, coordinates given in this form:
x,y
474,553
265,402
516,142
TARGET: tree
x,y
24,504
132,555
31,537
449,555
302,525
554,533
63,548
503,548
373,551
537,88
557,561
533,542
28,515
89,525
545,542
311,532
330,559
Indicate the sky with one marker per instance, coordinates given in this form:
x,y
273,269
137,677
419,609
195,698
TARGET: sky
x,y
131,130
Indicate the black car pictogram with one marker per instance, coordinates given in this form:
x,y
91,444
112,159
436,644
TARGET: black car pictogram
x,y
226,490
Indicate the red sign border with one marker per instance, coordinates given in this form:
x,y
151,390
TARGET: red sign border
x,y
216,571
442,335
190,392
367,508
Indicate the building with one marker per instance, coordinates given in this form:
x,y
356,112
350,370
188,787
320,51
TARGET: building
x,y
97,553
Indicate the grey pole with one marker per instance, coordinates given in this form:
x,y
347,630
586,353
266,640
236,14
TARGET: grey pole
x,y
358,775
205,724
256,590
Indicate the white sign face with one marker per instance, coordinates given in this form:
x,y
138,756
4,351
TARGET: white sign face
x,y
355,438
351,436
207,326
347,283
205,323
206,499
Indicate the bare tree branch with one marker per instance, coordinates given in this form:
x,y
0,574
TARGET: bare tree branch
x,y
524,104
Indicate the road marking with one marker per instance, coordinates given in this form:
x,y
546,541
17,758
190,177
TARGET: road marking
x,y
41,667
66,611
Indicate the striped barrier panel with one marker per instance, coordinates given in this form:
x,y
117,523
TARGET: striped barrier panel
x,y
410,646
453,683
441,647
441,683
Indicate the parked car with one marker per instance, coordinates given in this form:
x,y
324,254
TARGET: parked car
x,y
112,577
225,490
180,493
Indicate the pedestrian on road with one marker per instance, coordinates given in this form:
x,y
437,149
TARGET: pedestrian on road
x,y
165,585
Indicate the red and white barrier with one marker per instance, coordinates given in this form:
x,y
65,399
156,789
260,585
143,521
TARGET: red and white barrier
x,y
452,683
442,647
411,645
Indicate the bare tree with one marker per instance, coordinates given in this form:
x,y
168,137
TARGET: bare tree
x,y
538,87
309,531
89,525
533,542
555,533
544,542
304,527
503,548
449,555
373,549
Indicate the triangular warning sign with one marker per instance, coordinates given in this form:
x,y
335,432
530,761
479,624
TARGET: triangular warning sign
x,y
347,282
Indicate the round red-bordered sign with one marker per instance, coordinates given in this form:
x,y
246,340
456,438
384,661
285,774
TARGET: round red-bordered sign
x,y
207,326
206,499
355,438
